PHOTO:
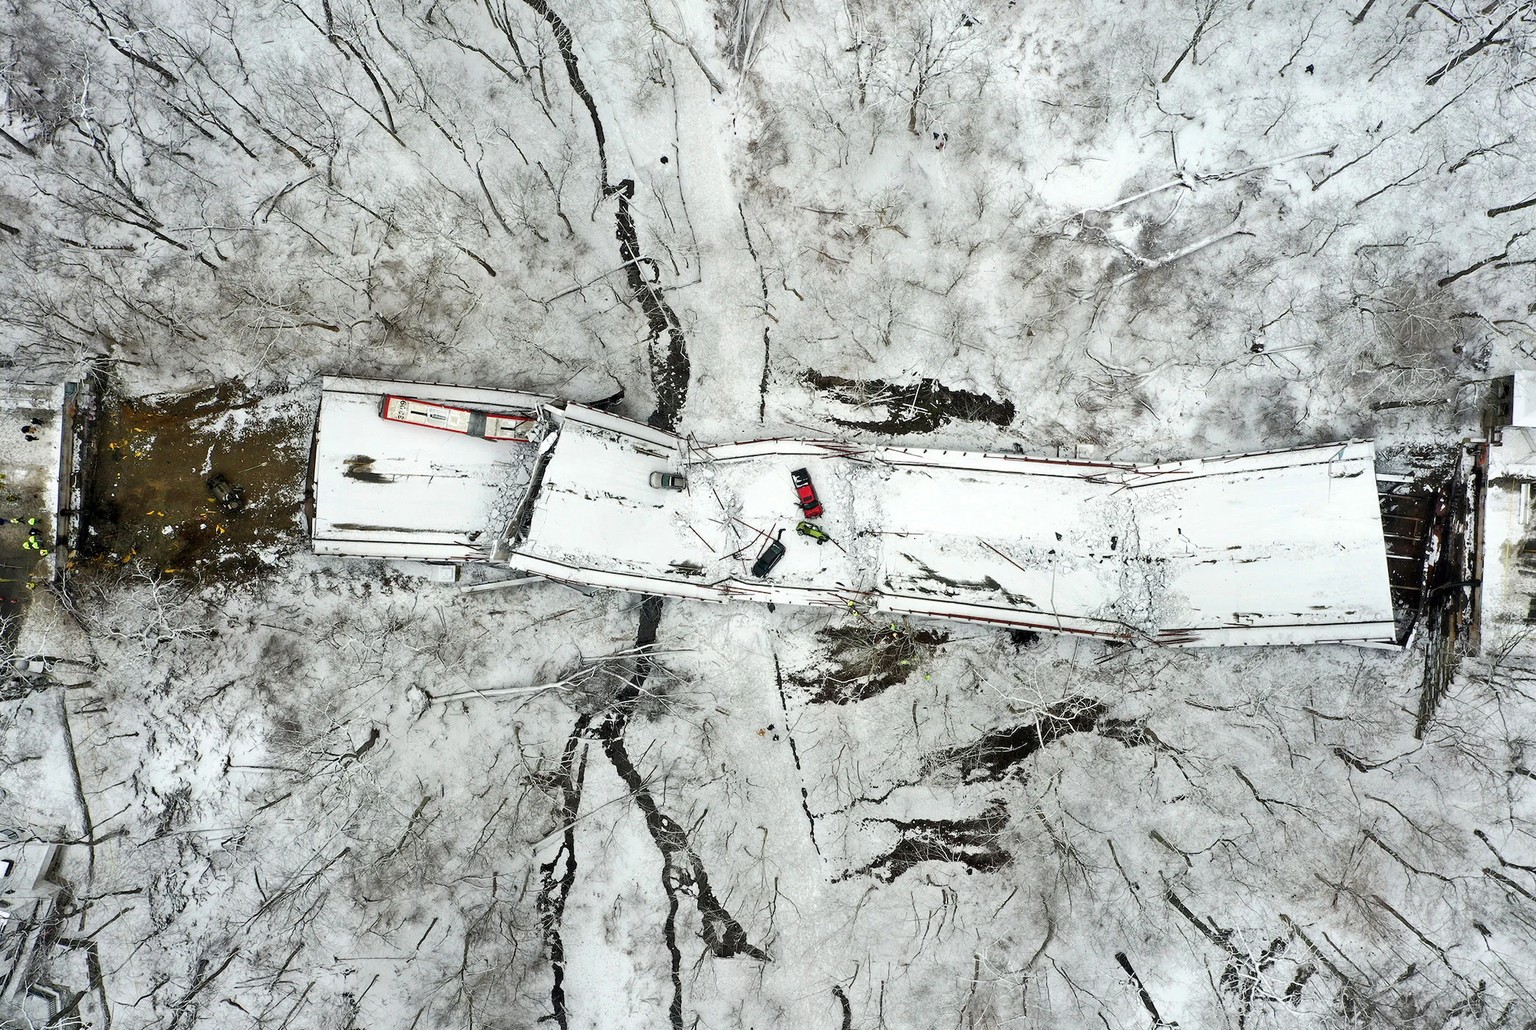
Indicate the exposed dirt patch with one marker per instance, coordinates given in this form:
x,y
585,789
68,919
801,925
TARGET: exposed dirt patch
x,y
148,499
863,659
919,407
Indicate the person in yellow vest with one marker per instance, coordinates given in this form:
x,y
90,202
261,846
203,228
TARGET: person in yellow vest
x,y
32,543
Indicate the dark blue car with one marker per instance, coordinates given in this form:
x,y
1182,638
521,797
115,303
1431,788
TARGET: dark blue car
x,y
769,558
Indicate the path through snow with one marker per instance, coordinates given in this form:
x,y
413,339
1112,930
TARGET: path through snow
x,y
726,335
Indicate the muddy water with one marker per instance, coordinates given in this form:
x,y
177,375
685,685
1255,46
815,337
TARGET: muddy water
x,y
147,498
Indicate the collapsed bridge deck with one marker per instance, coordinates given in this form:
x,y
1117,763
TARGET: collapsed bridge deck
x,y
1281,547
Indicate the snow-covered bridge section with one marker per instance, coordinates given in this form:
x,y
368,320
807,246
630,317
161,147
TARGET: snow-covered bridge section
x,y
384,489
1282,547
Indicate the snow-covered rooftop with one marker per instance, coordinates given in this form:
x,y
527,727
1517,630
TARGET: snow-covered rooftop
x,y
1505,526
1273,548
390,490
1523,402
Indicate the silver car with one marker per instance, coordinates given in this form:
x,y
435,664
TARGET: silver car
x,y
669,481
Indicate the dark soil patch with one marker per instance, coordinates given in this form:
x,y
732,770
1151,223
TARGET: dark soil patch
x,y
973,843
862,660
558,875
919,407
999,751
1023,639
1428,465
683,873
147,497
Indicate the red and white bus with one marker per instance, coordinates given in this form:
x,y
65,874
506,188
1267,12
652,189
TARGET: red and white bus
x,y
484,424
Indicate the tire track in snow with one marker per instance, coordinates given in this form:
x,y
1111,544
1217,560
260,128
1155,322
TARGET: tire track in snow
x,y
666,343
682,870
558,875
730,300
794,752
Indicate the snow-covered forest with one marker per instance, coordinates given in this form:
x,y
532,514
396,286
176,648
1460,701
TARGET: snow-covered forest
x,y
300,791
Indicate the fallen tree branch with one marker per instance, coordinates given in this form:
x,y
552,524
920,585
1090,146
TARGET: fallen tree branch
x,y
1169,259
1478,47
1486,261
686,45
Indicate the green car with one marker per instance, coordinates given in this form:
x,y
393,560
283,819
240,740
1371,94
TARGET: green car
x,y
813,531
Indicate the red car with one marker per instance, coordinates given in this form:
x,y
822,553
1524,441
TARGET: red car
x,y
809,503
